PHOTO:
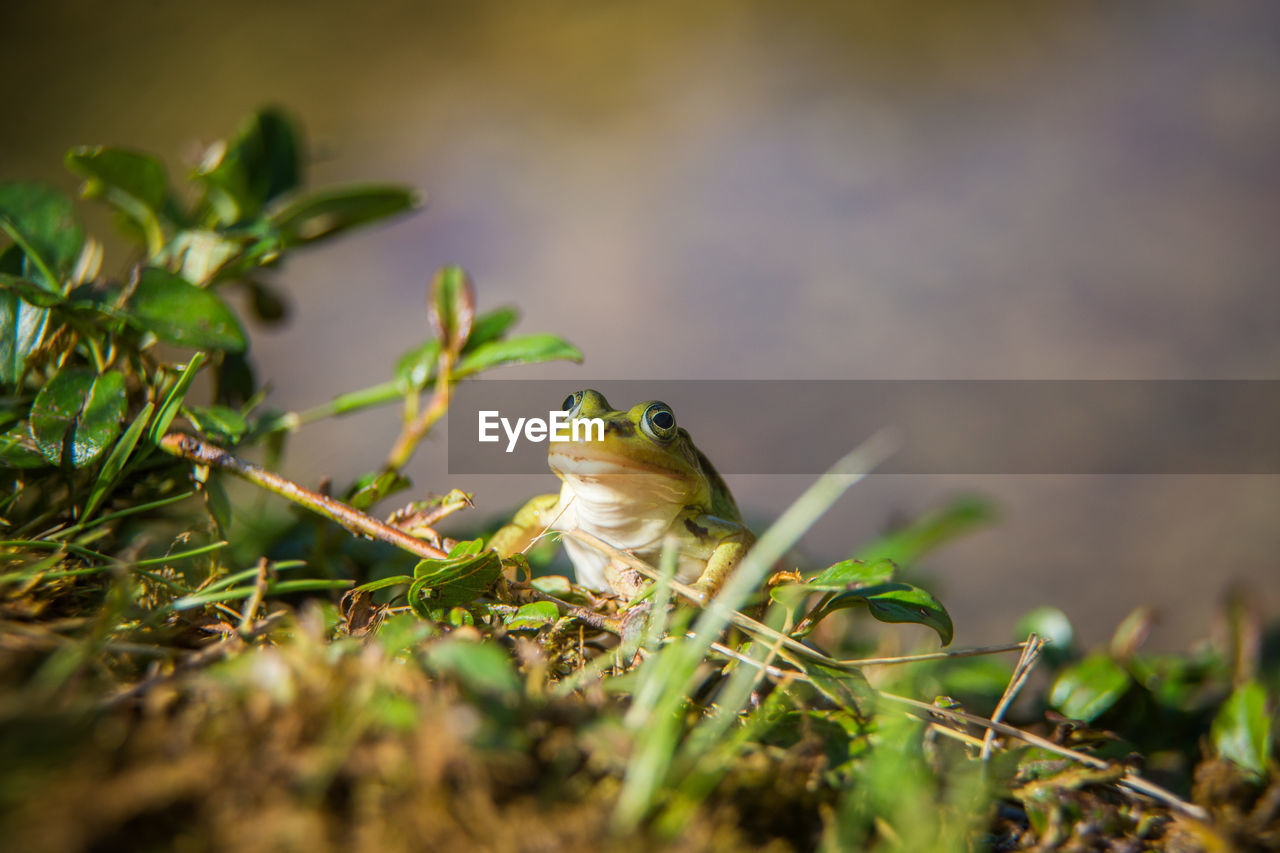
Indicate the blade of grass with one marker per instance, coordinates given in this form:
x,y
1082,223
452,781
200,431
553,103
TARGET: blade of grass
x,y
173,400
111,469
200,599
675,667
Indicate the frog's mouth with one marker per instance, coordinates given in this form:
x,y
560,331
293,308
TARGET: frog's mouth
x,y
596,474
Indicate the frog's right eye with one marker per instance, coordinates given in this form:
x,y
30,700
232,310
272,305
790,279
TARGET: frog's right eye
x,y
658,421
572,401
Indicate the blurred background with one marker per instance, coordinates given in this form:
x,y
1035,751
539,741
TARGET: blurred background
x,y
732,190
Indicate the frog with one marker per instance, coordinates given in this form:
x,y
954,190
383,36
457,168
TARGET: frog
x,y
633,484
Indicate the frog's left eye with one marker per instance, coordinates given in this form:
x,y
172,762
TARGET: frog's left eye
x,y
572,402
659,421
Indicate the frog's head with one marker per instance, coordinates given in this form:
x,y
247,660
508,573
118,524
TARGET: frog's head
x,y
641,457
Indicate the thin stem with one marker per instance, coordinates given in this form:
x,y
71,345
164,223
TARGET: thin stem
x,y
418,427
193,449
1130,780
1026,663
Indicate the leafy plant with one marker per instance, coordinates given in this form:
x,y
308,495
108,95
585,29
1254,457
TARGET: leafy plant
x,y
397,688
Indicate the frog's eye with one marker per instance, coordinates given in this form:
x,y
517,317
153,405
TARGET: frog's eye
x,y
572,401
659,422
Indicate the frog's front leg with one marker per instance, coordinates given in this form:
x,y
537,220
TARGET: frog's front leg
x,y
731,541
527,525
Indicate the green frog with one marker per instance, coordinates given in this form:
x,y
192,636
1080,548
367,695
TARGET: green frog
x,y
639,481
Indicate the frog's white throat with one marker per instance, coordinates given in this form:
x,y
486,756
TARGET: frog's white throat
x,y
629,511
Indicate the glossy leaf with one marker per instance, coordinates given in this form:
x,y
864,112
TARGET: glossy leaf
x,y
490,327
529,349
1089,688
178,312
445,583
453,307
846,572
533,616
841,577
1242,728
217,422
199,254
132,182
259,164
890,602
557,585
417,367
22,328
466,548
76,415
371,488
41,221
328,212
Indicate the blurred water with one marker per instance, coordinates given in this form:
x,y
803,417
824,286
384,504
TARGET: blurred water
x,y
758,190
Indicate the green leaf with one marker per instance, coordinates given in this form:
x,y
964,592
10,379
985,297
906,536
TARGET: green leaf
x,y
846,572
1089,688
453,307
173,400
328,212
115,461
178,312
76,415
28,291
261,163
843,576
557,585
533,616
22,327
907,545
845,688
1242,728
529,349
371,488
19,450
40,220
888,602
417,367
133,182
482,667
445,583
490,327
1053,626
217,422
466,548
199,254
384,583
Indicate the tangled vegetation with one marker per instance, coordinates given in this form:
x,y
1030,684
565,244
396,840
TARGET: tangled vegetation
x,y
179,671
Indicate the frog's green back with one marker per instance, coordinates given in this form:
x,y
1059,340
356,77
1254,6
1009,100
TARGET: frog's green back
x,y
722,503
